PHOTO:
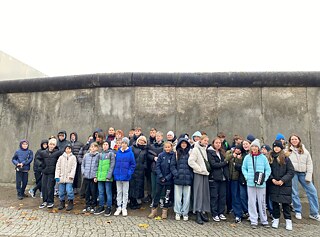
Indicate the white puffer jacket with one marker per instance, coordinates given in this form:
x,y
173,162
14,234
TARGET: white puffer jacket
x,y
66,168
302,162
196,161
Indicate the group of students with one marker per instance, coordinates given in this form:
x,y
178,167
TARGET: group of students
x,y
186,172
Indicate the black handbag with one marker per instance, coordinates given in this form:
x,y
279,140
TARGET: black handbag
x,y
258,176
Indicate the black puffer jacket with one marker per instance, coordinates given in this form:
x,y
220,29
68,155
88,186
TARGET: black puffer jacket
x,y
76,145
219,167
49,160
61,144
163,167
181,171
37,163
153,151
281,194
136,189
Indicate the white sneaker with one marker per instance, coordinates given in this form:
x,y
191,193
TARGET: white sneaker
x,y
316,217
298,216
222,217
124,212
185,218
216,218
118,211
288,224
177,217
275,223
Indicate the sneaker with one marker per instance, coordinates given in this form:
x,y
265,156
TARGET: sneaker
x,y
31,192
108,211
161,203
266,225
222,217
254,226
86,209
92,210
185,218
50,205
288,224
118,211
124,212
275,223
298,216
177,217
237,220
99,210
216,218
43,205
315,217
19,197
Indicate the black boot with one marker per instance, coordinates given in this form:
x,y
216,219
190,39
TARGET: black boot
x,y
70,205
198,218
204,217
62,205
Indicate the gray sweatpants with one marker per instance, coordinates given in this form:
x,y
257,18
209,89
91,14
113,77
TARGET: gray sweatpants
x,y
257,195
122,193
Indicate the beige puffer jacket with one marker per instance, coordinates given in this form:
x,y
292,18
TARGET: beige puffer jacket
x,y
196,161
301,162
66,168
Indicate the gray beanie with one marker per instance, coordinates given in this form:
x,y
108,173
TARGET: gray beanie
x,y
126,140
256,142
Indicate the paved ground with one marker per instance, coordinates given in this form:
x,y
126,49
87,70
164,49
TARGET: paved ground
x,y
23,218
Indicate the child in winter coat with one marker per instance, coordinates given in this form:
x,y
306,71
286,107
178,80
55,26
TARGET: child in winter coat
x,y
22,159
89,169
65,172
104,177
182,178
37,169
123,170
164,179
280,188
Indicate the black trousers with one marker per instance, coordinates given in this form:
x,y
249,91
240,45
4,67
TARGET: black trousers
x,y
286,210
160,189
48,183
77,178
21,182
38,177
91,192
218,190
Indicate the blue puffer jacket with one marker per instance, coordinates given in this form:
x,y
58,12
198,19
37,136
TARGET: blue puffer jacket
x,y
181,171
24,156
89,165
261,164
125,165
163,167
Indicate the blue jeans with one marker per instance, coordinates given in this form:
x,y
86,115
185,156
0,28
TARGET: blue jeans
x,y
105,188
63,187
182,193
21,182
300,177
236,201
244,198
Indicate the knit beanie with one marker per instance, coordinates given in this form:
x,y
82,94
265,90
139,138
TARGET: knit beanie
x,y
280,136
170,133
251,138
277,143
256,142
125,140
267,147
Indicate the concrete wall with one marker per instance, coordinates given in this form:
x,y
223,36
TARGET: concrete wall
x,y
261,111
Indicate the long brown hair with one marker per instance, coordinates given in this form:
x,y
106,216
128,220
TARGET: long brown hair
x,y
221,150
299,146
281,158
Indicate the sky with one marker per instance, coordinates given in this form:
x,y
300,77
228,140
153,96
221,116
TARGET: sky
x,y
82,37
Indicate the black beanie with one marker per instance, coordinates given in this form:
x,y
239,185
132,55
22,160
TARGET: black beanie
x,y
277,143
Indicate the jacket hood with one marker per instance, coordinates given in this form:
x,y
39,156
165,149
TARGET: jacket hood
x,y
43,142
64,133
126,151
22,141
183,135
210,148
183,140
76,135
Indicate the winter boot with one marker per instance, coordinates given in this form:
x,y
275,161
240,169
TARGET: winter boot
x,y
199,219
164,213
70,205
204,217
62,205
288,224
275,223
153,214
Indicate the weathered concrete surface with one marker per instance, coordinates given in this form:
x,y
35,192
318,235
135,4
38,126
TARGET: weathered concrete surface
x,y
261,111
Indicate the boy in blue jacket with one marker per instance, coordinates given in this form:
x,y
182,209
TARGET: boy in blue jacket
x,y
123,170
22,159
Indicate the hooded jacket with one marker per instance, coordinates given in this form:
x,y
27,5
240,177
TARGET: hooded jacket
x,y
37,160
76,145
61,144
89,165
181,171
49,160
106,166
196,159
124,166
163,167
24,156
66,168
219,167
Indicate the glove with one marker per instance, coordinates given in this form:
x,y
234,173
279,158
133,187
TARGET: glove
x,y
57,180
